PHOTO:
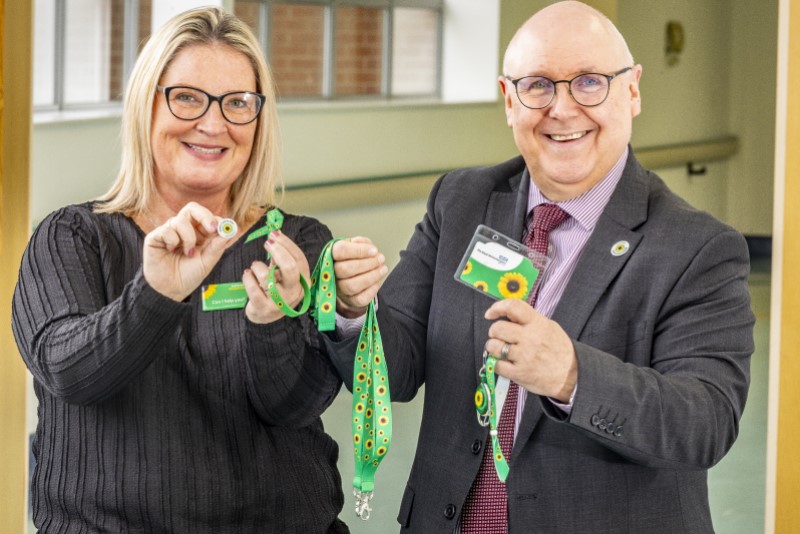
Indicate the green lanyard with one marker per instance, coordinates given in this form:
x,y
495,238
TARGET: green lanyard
x,y
372,411
275,222
485,404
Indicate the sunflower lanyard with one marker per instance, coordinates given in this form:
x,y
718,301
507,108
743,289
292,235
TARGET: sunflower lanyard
x,y
372,412
485,404
275,222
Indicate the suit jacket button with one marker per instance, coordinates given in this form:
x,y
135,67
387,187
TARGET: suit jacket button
x,y
602,424
476,446
450,511
611,428
595,420
618,431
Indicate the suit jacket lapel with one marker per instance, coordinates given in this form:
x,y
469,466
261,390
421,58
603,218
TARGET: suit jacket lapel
x,y
597,267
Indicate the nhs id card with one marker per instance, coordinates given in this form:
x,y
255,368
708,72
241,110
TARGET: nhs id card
x,y
499,266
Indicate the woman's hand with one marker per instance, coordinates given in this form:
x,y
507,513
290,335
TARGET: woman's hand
x,y
291,263
359,270
179,254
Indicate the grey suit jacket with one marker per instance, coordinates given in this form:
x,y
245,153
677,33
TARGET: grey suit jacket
x,y
663,336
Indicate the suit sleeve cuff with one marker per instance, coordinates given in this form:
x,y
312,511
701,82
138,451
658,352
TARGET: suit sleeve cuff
x,y
566,408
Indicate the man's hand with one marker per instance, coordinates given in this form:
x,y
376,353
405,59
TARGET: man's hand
x,y
540,357
359,270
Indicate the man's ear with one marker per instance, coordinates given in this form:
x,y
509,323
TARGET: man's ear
x,y
636,96
508,93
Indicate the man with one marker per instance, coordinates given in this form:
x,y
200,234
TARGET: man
x,y
632,369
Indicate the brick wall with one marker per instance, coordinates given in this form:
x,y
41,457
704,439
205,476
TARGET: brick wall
x,y
414,55
116,42
115,54
359,50
296,49
248,10
145,21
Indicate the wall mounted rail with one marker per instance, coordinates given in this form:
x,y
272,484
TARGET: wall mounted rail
x,y
351,193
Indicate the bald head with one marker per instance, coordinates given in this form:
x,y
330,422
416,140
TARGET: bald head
x,y
565,27
568,146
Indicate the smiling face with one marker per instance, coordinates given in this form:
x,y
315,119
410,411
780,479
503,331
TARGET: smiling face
x,y
569,148
201,159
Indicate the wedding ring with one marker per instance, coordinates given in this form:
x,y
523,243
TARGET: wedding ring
x,y
504,351
227,228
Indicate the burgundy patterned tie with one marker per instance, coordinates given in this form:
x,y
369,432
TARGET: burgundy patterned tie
x,y
486,508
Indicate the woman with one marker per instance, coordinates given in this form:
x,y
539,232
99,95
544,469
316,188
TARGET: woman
x,y
157,416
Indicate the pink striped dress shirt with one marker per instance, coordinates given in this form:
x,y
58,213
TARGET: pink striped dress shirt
x,y
567,244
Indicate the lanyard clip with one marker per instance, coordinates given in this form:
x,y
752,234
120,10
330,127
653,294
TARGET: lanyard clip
x,y
483,395
362,504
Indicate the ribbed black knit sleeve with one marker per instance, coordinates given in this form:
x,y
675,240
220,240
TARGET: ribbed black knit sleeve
x,y
81,343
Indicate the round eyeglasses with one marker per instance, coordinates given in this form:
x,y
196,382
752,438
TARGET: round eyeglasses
x,y
190,103
589,89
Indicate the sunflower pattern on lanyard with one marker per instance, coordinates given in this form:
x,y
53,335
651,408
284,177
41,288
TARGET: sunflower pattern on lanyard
x,y
372,412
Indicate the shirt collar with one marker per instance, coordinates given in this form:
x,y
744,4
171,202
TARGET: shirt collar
x,y
587,207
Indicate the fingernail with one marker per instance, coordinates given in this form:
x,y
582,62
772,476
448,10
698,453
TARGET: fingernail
x,y
384,270
382,258
372,251
275,233
246,271
270,242
190,252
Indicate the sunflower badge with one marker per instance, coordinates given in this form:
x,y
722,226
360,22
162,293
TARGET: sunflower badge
x,y
513,286
498,266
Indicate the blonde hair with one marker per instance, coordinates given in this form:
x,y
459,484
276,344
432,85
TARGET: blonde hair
x,y
134,187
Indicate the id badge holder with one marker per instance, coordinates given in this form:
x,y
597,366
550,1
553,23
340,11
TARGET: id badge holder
x,y
499,266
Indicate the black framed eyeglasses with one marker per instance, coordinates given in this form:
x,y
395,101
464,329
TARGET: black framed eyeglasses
x,y
589,89
190,103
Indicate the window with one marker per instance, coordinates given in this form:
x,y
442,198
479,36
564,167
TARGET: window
x,y
83,50
317,49
356,48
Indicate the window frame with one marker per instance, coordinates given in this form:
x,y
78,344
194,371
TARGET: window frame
x,y
329,47
131,15
130,51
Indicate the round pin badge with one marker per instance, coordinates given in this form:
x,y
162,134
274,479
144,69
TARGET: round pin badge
x,y
227,228
619,248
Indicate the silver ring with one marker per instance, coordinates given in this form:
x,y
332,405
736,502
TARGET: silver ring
x,y
504,351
